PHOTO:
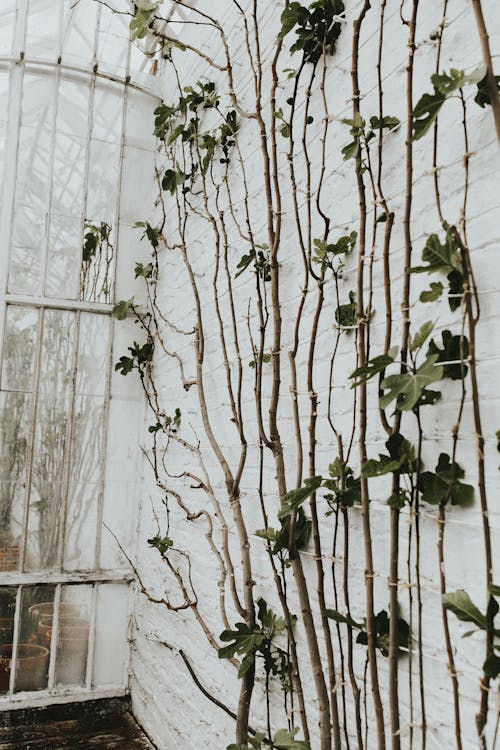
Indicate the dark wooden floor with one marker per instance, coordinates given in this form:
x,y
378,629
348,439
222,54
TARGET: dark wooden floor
x,y
101,729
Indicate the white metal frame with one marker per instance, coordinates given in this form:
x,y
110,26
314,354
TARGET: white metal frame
x,y
17,64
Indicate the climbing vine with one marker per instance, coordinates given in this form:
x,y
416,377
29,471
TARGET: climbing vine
x,y
292,439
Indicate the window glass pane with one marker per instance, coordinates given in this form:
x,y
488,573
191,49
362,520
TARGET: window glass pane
x,y
48,476
7,20
32,652
73,635
15,415
79,31
7,614
98,261
111,635
64,257
42,34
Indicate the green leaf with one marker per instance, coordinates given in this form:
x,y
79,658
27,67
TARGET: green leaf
x,y
286,740
455,349
483,93
491,666
417,341
345,315
401,458
444,484
289,18
146,271
374,367
425,113
444,258
162,544
171,179
125,365
294,499
462,606
351,151
122,309
139,25
407,388
332,614
432,294
391,123
494,590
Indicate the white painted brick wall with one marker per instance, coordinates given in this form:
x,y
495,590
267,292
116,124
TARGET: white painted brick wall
x,y
165,698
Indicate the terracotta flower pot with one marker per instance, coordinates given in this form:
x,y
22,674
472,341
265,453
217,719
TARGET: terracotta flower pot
x,y
32,665
46,609
44,629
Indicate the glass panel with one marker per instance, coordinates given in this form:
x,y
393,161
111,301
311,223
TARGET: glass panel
x,y
108,108
42,37
103,181
7,20
73,635
65,251
79,31
111,635
7,614
15,411
47,490
37,606
69,175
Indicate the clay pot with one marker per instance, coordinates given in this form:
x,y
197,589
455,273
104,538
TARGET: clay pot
x,y
44,629
32,665
46,609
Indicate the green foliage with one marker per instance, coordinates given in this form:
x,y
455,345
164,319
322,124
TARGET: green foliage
x,y
483,94
344,486
169,424
429,105
95,237
455,349
259,256
161,543
444,485
346,315
142,21
316,28
284,739
362,135
294,499
257,641
279,539
326,252
266,357
374,367
145,271
401,459
409,389
380,630
172,178
123,309
443,258
417,341
140,357
152,234
432,294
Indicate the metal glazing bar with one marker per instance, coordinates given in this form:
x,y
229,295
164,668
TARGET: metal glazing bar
x,y
52,578
15,640
54,303
89,672
74,72
54,637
